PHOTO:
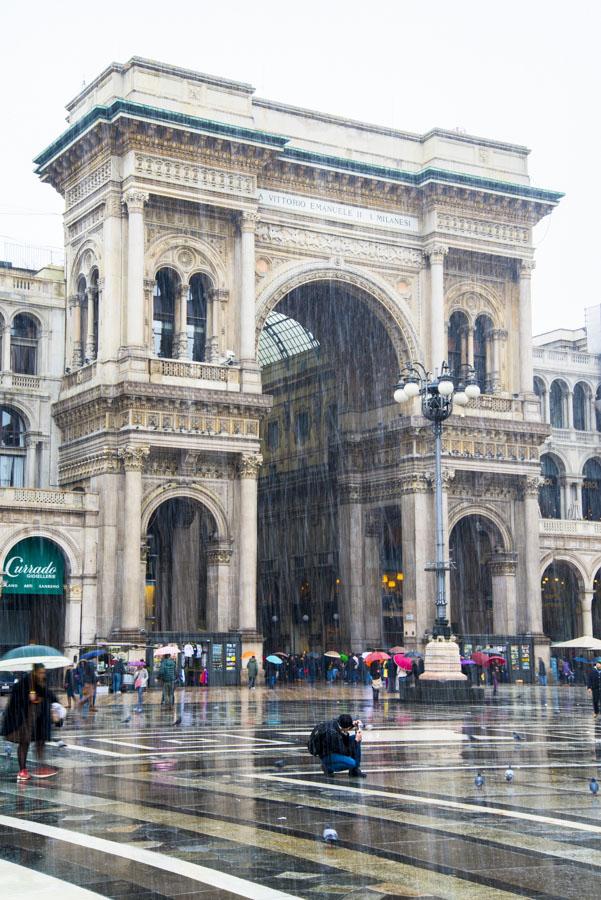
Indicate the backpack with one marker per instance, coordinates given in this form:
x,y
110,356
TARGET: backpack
x,y
315,744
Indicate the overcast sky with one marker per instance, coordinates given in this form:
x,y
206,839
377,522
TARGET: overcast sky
x,y
527,73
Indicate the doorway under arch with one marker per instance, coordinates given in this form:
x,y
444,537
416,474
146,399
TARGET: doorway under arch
x,y
560,592
179,534
472,543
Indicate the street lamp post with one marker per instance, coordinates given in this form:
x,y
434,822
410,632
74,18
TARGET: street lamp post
x,y
438,395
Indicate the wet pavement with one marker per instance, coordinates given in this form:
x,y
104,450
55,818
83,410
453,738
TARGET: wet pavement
x,y
228,803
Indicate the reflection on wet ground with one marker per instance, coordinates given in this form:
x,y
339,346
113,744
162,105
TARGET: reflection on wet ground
x,y
228,803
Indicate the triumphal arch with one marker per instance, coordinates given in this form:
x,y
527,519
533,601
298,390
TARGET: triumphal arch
x,y
245,279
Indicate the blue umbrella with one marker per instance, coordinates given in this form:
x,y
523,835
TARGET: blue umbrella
x,y
275,660
92,654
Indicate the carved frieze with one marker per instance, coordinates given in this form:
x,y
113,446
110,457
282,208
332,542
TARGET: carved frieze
x,y
86,223
470,227
88,184
179,171
329,245
103,462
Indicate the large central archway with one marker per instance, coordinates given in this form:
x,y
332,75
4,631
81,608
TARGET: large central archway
x,y
330,352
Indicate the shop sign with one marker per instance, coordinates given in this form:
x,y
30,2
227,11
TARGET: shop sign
x,y
34,566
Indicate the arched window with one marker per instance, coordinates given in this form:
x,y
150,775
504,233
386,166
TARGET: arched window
x,y
196,318
12,448
591,490
482,352
598,408
540,391
556,405
457,340
163,313
23,345
580,400
549,498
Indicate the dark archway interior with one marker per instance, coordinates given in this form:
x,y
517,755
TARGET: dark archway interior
x,y
330,366
472,543
178,536
560,592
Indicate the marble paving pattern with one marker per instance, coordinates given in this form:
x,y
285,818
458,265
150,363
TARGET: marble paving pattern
x,y
220,799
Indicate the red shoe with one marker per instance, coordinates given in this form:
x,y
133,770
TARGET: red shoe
x,y
23,775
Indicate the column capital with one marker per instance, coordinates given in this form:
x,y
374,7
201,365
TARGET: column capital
x,y
526,267
436,252
501,563
219,295
149,284
133,457
135,199
531,485
499,334
219,554
586,600
249,465
248,219
73,301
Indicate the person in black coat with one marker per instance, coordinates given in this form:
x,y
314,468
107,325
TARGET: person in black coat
x,y
338,748
594,686
27,717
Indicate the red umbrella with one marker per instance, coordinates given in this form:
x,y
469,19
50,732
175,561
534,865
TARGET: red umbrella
x,y
499,660
480,658
394,650
403,662
377,656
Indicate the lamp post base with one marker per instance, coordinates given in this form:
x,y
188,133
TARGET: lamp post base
x,y
442,680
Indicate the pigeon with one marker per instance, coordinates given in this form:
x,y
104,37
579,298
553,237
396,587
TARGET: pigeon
x,y
593,786
330,836
178,721
479,780
61,745
279,763
8,750
508,774
518,737
126,720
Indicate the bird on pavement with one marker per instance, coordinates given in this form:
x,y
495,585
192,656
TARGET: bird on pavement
x,y
178,721
330,836
518,737
593,786
126,720
279,763
479,780
508,774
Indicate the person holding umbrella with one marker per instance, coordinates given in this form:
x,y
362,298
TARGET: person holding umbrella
x,y
594,686
29,713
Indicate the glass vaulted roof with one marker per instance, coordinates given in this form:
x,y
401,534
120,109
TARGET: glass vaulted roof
x,y
282,338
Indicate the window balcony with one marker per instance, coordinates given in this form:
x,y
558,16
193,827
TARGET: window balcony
x,y
570,528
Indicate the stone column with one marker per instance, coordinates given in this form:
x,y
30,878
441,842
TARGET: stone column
x,y
218,298
90,352
463,336
5,363
419,594
248,223
547,406
526,376
497,337
181,321
569,401
218,592
131,604
351,556
586,609
530,555
372,581
110,311
503,568
489,365
437,253
135,200
75,330
470,345
249,472
31,444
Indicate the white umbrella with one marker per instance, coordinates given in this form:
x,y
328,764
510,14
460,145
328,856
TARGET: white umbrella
x,y
169,650
580,643
22,659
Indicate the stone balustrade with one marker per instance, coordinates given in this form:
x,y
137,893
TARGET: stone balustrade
x,y
47,499
574,527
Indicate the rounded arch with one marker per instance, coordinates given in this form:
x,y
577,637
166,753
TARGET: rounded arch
x,y
87,258
188,256
562,584
475,299
570,559
474,542
390,308
558,397
69,548
35,318
14,404
201,494
483,512
581,401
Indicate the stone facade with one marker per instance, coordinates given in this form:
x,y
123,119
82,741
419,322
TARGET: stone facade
x,y
193,211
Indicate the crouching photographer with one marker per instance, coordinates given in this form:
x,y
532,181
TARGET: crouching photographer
x,y
337,743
